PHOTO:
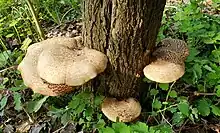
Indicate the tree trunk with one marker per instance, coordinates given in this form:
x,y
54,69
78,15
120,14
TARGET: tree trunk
x,y
126,31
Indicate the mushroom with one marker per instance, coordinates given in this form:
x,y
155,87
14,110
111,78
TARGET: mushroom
x,y
54,66
125,111
168,65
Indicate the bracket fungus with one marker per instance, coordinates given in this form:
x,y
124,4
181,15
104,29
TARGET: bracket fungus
x,y
168,65
125,111
53,66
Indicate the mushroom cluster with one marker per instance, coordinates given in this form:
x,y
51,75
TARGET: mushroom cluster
x,y
168,65
54,66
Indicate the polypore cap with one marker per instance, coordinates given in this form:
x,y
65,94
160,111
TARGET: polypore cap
x,y
61,65
163,71
125,111
28,69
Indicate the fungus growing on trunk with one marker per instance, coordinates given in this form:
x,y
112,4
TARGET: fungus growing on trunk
x,y
124,111
52,67
168,65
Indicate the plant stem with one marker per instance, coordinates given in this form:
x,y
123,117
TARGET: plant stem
x,y
164,109
17,34
39,29
204,94
3,45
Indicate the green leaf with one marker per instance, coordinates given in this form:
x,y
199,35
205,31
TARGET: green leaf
x,y
184,108
107,130
34,106
198,70
14,22
164,86
9,35
80,108
98,100
218,90
157,104
154,92
17,101
25,44
139,127
4,56
81,121
203,107
3,102
73,104
215,110
66,117
173,94
100,124
89,111
178,119
121,128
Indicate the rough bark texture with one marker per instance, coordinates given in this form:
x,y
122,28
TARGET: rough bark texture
x,y
126,31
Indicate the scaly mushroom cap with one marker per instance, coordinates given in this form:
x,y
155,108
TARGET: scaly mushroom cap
x,y
163,71
73,67
168,65
52,66
125,111
28,69
172,50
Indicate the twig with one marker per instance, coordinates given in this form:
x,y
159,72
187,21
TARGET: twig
x,y
60,128
174,105
166,120
183,125
30,119
40,31
204,94
12,67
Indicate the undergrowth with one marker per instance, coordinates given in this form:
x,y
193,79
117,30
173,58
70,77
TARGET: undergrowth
x,y
191,100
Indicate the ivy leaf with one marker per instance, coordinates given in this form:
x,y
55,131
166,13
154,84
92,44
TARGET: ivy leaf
x,y
215,110
203,107
184,108
139,127
164,86
157,104
173,94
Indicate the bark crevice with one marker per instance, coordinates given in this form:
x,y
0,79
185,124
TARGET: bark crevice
x,y
125,30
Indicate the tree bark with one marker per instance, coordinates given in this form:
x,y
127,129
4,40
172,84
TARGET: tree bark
x,y
126,31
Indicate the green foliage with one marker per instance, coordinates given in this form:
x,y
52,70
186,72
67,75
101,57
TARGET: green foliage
x,y
83,109
138,127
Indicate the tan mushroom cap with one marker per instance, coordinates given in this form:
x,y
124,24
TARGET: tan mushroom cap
x,y
73,67
28,68
163,71
125,111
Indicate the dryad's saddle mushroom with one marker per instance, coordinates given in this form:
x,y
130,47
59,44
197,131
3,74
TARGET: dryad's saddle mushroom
x,y
124,111
169,64
53,66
